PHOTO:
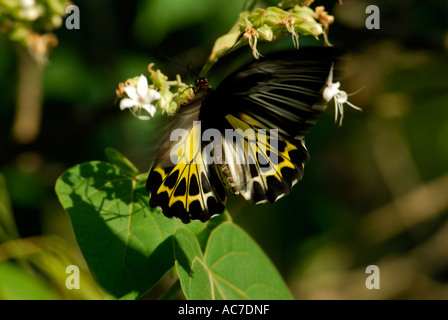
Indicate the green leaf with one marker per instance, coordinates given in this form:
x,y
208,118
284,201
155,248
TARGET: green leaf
x,y
126,244
190,266
233,267
115,157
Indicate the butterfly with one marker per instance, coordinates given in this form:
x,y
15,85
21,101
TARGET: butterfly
x,y
266,107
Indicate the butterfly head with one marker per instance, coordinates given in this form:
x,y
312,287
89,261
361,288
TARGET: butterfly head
x,y
201,83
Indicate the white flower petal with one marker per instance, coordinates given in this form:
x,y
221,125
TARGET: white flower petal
x,y
330,76
341,96
140,117
153,111
131,91
328,94
153,95
353,106
142,86
138,114
149,108
126,103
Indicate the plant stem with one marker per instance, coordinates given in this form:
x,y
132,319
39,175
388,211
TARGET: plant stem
x,y
28,111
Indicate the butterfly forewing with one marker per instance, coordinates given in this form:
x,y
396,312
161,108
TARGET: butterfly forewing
x,y
282,91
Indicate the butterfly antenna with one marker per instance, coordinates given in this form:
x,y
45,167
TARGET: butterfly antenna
x,y
194,69
172,60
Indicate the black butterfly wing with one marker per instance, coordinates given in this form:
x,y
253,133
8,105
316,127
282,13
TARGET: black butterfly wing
x,y
282,92
265,166
180,182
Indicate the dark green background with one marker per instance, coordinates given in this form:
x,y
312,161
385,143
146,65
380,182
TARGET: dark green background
x,y
374,191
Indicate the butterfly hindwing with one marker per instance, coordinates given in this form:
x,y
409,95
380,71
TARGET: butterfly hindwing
x,y
186,192
180,182
270,167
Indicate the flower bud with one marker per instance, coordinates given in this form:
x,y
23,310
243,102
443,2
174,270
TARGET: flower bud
x,y
158,79
257,17
164,103
265,32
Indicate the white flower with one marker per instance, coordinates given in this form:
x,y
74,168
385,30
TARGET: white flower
x,y
140,98
27,3
340,97
29,10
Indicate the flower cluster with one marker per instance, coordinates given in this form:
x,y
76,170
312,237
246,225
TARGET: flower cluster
x,y
142,98
270,24
29,22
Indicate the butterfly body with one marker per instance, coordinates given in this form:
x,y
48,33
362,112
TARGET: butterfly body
x,y
247,136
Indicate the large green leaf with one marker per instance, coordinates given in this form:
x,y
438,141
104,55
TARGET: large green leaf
x,y
232,267
126,244
190,266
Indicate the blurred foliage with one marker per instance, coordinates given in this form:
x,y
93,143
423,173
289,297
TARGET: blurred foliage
x,y
29,23
374,191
